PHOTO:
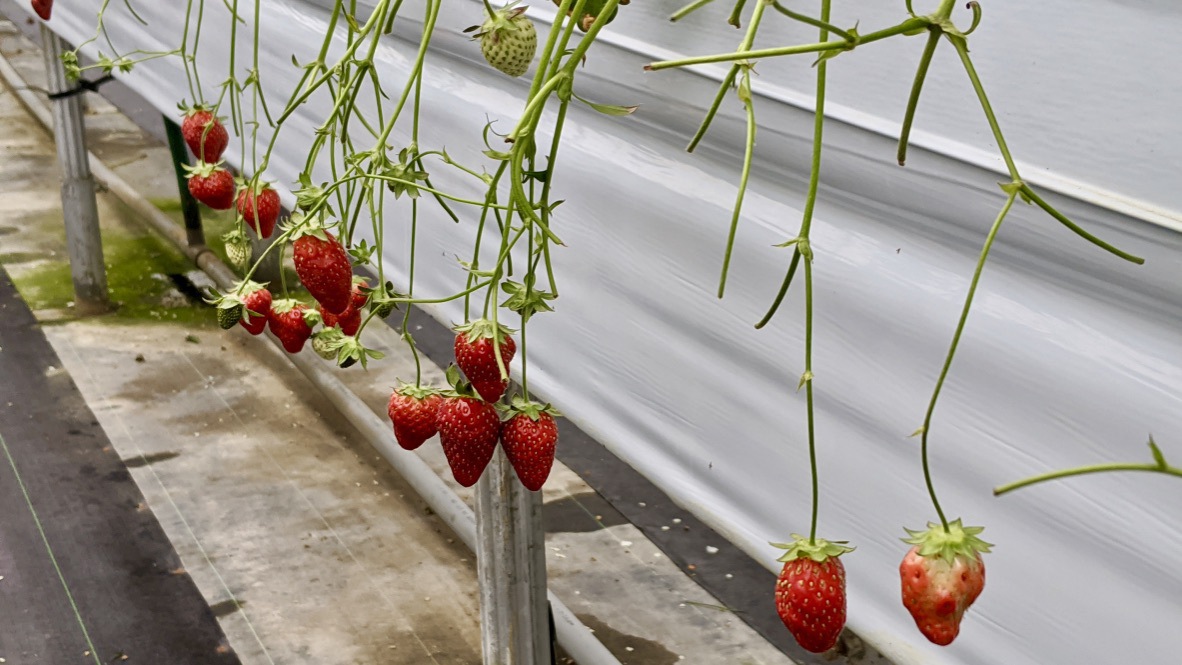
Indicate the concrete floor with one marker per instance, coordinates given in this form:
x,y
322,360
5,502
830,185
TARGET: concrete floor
x,y
307,547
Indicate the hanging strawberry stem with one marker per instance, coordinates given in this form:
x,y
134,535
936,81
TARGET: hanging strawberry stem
x,y
1158,465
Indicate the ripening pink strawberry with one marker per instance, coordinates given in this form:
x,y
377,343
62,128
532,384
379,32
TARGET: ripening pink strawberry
x,y
942,575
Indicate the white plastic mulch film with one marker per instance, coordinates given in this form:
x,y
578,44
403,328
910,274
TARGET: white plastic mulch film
x,y
1071,356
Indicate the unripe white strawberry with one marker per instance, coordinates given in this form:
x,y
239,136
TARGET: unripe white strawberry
x,y
508,40
237,249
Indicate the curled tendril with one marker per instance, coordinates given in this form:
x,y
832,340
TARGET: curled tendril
x,y
976,7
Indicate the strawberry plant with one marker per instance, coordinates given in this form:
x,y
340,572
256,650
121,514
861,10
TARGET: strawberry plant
x,y
376,163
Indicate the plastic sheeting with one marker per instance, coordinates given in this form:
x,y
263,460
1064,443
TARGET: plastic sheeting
x,y
1071,356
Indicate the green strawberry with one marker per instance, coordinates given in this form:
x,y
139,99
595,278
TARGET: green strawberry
x,y
327,342
237,248
508,40
228,316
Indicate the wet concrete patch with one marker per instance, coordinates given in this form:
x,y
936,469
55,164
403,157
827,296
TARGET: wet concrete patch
x,y
580,513
630,649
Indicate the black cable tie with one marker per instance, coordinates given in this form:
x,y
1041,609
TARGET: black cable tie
x,y
83,86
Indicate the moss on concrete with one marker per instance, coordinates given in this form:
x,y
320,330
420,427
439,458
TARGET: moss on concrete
x,y
138,269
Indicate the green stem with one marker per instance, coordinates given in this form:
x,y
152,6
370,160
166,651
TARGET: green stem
x,y
688,9
792,266
727,82
185,50
910,25
962,49
1029,193
808,391
805,250
921,75
736,12
748,154
1082,470
576,57
385,178
535,105
559,123
560,31
436,301
489,202
964,316
822,23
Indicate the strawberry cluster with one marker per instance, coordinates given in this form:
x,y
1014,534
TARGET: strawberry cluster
x,y
469,418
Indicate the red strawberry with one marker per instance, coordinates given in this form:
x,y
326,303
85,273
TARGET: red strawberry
x,y
43,8
413,412
323,267
212,185
265,203
468,430
259,302
810,593
193,128
349,321
529,438
942,576
289,321
476,356
359,297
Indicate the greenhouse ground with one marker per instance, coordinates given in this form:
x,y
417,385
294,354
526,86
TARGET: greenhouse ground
x,y
189,497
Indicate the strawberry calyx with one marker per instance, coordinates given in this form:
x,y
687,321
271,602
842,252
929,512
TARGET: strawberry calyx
x,y
948,543
236,295
254,185
247,287
484,329
416,392
459,386
300,225
498,22
202,169
311,317
819,550
382,299
284,305
531,409
195,109
352,351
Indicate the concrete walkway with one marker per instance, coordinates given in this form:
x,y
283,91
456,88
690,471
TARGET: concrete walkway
x,y
87,574
307,548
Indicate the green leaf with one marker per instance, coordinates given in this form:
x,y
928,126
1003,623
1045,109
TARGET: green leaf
x,y
609,109
1158,457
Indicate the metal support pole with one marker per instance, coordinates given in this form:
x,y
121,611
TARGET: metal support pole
x,y
511,569
180,159
79,208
